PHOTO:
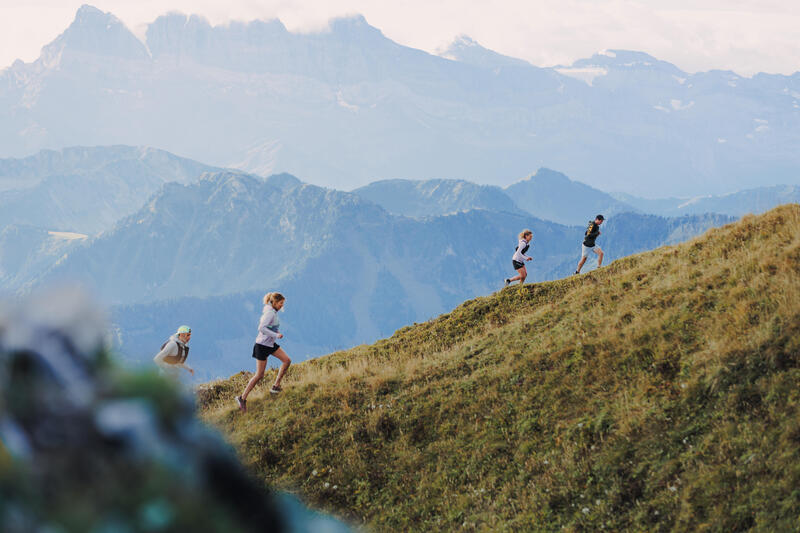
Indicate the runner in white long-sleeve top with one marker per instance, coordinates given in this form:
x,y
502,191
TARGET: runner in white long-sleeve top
x,y
265,346
519,258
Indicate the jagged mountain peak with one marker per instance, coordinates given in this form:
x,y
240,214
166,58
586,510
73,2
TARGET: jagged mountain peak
x,y
625,59
260,45
467,50
88,12
355,23
545,174
354,29
228,180
97,33
464,41
284,181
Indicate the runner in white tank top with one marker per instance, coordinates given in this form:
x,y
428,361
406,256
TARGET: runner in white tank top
x,y
519,258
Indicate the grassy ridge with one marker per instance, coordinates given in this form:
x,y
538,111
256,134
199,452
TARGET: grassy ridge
x,y
658,393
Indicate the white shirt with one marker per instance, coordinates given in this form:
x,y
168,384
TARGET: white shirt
x,y
268,326
518,255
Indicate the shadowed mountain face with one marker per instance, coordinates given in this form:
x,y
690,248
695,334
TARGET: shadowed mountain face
x,y
228,232
264,99
94,33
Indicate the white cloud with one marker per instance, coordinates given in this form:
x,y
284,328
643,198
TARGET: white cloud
x,y
746,36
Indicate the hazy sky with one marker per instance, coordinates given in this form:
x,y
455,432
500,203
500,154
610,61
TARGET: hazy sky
x,y
746,36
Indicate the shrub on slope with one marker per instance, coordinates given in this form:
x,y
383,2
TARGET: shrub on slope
x,y
658,393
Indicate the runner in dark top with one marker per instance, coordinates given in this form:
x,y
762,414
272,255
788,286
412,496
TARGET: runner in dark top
x,y
592,232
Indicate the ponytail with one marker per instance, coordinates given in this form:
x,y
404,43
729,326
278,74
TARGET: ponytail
x,y
272,297
525,232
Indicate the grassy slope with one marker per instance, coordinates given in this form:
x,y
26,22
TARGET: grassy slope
x,y
658,393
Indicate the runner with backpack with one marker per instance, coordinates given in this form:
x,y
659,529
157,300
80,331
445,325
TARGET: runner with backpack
x,y
174,352
519,258
265,346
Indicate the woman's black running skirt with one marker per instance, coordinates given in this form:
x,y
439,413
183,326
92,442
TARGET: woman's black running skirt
x,y
261,352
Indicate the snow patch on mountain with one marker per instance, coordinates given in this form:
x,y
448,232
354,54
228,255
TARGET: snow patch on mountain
x,y
692,201
466,50
584,74
762,125
344,103
67,235
678,105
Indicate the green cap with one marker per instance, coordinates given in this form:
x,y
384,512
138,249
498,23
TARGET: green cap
x,y
184,329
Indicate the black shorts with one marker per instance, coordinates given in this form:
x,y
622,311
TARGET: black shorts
x,y
517,264
261,352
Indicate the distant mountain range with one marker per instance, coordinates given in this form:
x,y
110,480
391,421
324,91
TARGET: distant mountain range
x,y
205,253
354,265
739,203
266,100
86,190
547,194
231,232
551,195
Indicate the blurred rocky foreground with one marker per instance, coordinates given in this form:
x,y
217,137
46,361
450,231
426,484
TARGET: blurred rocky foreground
x,y
86,446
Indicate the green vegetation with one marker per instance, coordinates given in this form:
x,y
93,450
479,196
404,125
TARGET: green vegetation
x,y
658,393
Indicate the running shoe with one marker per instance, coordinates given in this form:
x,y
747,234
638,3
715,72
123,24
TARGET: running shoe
x,y
242,404
275,389
507,282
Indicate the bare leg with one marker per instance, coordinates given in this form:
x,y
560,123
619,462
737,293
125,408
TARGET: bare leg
x,y
580,265
599,253
285,362
260,367
521,276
